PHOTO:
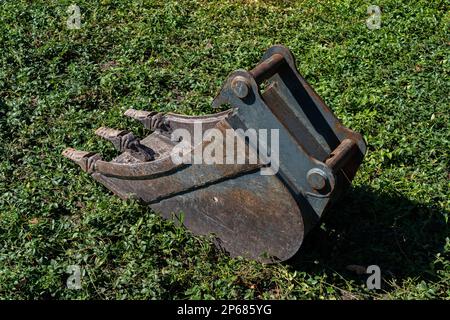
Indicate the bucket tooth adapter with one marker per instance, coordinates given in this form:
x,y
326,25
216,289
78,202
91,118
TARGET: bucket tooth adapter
x,y
258,176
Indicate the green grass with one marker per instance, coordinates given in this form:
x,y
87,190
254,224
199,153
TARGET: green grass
x,y
58,85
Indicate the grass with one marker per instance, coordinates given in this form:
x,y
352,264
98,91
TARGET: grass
x,y
58,85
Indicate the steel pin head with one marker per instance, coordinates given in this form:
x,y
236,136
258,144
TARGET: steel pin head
x,y
317,179
240,86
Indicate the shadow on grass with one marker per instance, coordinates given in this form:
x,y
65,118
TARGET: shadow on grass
x,y
367,227
3,111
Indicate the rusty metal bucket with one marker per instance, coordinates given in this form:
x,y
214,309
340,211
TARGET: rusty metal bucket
x,y
257,214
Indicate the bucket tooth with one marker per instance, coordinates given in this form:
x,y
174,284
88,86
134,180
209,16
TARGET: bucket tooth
x,y
110,133
150,119
121,139
139,114
85,159
126,141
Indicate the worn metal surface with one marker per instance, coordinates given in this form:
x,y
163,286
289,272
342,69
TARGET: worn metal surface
x,y
263,217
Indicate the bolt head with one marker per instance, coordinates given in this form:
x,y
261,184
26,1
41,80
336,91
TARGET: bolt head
x,y
317,179
240,86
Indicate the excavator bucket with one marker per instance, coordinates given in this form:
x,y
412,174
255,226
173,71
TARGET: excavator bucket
x,y
258,176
